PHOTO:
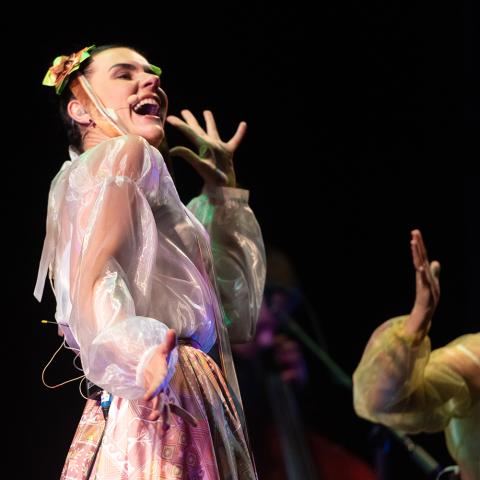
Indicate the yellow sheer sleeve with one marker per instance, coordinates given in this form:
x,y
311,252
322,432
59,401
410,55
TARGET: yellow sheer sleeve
x,y
401,383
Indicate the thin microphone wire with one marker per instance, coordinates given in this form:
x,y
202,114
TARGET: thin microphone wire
x,y
82,378
48,364
79,368
80,387
63,345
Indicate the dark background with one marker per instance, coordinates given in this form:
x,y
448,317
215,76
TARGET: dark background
x,y
354,115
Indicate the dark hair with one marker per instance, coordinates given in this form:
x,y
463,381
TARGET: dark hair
x,y
73,131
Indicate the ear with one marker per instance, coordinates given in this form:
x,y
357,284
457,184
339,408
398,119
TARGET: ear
x,y
78,113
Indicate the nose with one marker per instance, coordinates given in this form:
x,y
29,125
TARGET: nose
x,y
150,81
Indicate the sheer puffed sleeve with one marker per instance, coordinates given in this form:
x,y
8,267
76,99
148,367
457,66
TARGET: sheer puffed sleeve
x,y
404,385
110,224
238,255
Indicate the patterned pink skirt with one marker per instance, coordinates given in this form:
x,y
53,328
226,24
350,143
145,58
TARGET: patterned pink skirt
x,y
135,448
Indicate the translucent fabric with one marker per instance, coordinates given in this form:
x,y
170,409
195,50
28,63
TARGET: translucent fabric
x,y
404,385
238,256
130,261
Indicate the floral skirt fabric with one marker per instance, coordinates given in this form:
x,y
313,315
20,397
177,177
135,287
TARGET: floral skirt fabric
x,y
212,446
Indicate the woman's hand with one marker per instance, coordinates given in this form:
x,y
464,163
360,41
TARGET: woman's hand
x,y
427,288
155,373
214,161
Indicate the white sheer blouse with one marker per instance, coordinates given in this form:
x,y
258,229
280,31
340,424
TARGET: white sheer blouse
x,y
129,261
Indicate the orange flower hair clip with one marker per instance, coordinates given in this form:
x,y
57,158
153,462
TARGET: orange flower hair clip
x,y
58,74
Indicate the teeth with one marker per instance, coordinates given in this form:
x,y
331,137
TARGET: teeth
x,y
146,101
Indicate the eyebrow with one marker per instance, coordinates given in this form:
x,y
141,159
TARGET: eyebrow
x,y
131,66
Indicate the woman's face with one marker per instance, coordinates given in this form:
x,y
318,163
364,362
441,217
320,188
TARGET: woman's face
x,y
123,81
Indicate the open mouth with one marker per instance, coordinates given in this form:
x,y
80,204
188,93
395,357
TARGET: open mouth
x,y
147,106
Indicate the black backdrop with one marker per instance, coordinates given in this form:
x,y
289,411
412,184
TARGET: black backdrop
x,y
353,115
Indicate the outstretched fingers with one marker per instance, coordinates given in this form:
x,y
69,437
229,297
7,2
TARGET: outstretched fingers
x,y
157,367
234,142
191,133
419,252
155,413
212,129
427,273
191,157
435,269
434,273
191,120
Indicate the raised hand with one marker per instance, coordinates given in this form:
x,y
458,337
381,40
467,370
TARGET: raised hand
x,y
427,288
214,161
